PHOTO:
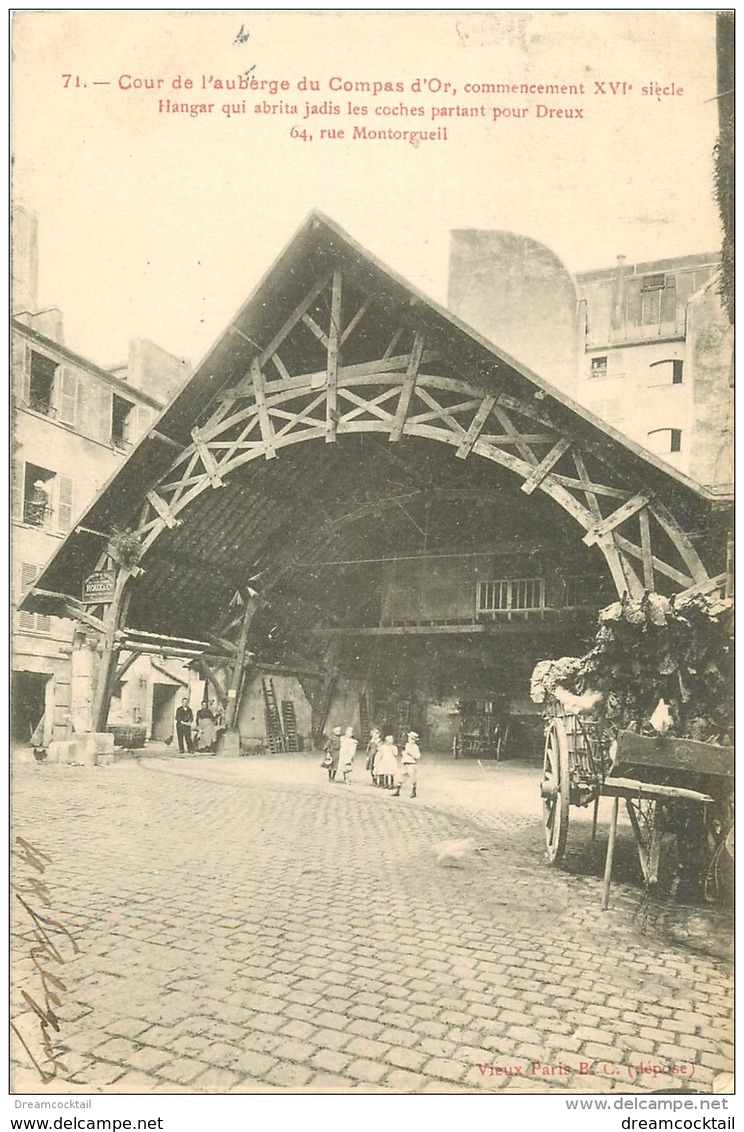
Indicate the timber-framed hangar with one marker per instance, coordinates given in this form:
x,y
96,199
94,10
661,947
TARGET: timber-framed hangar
x,y
259,547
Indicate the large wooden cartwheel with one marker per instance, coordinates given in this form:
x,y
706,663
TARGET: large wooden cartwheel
x,y
554,789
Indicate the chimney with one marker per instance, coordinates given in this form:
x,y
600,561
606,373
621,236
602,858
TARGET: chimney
x,y
24,260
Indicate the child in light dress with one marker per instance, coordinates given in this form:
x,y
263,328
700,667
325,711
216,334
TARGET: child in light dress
x,y
346,755
386,763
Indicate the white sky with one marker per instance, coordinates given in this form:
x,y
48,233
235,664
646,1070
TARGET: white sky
x,y
159,225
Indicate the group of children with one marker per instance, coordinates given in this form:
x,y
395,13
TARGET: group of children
x,y
382,760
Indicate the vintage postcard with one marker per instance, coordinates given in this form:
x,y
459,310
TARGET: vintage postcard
x,y
372,678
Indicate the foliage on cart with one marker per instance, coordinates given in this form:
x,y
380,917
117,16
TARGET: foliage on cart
x,y
679,650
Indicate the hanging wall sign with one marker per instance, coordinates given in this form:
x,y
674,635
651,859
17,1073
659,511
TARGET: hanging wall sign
x,y
98,588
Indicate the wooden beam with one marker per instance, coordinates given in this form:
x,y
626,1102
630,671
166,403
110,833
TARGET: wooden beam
x,y
86,617
231,712
283,371
153,434
163,510
442,413
514,435
207,459
409,385
352,325
115,616
683,580
221,644
393,342
318,331
212,679
476,427
624,512
706,587
264,420
165,672
244,336
133,656
162,639
681,541
293,319
548,462
334,335
647,556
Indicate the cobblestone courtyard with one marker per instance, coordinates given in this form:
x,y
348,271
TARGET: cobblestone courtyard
x,y
243,926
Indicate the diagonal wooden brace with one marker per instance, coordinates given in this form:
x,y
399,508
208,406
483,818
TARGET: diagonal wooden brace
x,y
163,510
548,462
476,427
617,517
409,385
207,459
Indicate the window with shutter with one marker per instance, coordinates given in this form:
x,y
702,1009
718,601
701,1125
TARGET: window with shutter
x,y
32,622
67,395
64,503
42,372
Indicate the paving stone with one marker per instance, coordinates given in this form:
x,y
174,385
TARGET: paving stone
x,y
366,1070
251,1063
329,1083
294,1050
444,1067
404,1057
401,1081
183,1070
149,1059
133,1082
286,1076
217,1080
330,1059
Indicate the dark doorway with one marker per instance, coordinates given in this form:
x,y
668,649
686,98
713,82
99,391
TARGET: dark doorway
x,y
28,704
163,711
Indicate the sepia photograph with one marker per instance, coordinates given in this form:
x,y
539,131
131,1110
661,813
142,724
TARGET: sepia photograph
x,y
371,521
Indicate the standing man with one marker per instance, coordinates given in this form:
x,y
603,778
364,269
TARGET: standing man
x,y
409,760
184,720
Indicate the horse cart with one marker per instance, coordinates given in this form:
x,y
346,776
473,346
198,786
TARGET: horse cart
x,y
670,785
483,729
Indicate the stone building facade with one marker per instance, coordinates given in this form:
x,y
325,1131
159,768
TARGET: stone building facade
x,y
72,424
647,347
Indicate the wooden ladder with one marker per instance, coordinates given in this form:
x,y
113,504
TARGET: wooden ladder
x,y
289,720
363,717
274,732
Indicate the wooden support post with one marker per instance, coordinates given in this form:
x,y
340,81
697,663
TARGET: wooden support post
x,y
607,880
115,616
409,385
233,690
334,336
264,420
